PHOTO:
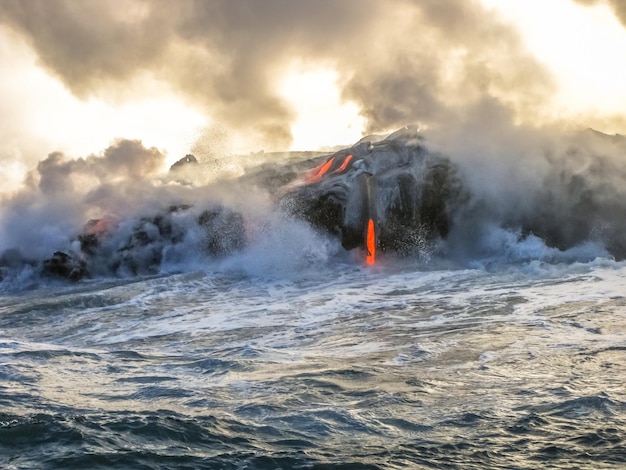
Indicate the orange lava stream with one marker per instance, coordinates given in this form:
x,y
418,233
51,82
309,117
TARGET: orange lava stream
x,y
321,171
344,165
371,243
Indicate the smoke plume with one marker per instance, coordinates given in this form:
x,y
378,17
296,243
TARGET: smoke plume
x,y
454,68
402,61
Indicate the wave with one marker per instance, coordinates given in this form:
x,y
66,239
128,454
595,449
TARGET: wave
x,y
391,198
260,437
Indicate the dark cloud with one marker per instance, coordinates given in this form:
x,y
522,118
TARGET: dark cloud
x,y
402,61
88,43
440,62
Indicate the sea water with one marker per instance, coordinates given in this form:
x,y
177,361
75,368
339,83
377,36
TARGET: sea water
x,y
259,361
490,348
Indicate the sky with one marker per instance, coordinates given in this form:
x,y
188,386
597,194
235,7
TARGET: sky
x,y
221,77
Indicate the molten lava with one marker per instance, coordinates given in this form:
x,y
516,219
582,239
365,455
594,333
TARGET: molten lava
x,y
321,171
371,243
318,172
344,165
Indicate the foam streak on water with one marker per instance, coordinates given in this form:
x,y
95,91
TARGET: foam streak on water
x,y
343,367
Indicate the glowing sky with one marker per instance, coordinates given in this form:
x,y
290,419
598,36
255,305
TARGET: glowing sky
x,y
301,75
46,115
583,46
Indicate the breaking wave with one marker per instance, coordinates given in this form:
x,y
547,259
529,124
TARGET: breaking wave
x,y
118,215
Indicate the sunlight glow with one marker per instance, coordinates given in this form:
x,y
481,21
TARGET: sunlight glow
x,y
583,46
323,118
44,112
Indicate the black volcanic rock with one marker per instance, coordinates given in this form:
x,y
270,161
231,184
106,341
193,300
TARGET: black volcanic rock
x,y
140,246
224,231
407,191
187,161
412,196
66,266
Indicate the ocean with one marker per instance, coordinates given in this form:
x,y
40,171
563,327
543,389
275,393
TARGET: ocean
x,y
205,326
323,364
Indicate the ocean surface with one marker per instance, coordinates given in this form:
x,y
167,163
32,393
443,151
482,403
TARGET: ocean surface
x,y
323,363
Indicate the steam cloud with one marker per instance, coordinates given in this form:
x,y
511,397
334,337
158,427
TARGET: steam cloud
x,y
403,61
62,194
450,66
617,6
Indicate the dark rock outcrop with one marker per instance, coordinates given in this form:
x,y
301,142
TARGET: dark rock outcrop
x,y
407,191
187,161
64,265
224,231
139,247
